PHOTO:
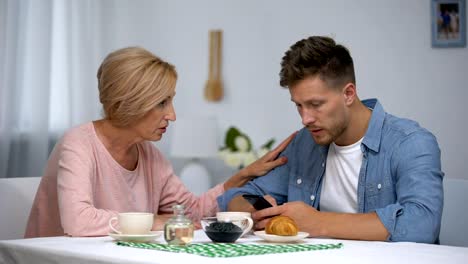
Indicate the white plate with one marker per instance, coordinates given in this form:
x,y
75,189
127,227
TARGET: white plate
x,y
281,239
136,238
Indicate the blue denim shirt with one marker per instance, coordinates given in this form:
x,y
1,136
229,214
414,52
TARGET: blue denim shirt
x,y
400,177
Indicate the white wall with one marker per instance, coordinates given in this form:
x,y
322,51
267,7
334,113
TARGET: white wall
x,y
389,40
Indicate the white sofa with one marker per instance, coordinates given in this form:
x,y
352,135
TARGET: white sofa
x,y
16,198
17,195
454,229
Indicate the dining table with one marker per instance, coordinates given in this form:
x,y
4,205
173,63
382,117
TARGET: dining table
x,y
107,249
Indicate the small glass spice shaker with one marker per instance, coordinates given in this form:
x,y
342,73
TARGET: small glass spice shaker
x,y
178,230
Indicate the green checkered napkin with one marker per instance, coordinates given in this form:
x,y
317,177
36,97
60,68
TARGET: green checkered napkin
x,y
231,250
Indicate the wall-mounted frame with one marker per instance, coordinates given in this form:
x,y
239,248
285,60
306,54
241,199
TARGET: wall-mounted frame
x,y
448,23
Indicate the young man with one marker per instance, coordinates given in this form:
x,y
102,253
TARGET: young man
x,y
354,171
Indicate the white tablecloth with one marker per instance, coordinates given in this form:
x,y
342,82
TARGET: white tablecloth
x,y
105,250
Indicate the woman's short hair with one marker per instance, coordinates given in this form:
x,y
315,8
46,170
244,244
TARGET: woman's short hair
x,y
131,82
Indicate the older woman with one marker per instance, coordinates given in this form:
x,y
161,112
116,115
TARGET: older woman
x,y
108,166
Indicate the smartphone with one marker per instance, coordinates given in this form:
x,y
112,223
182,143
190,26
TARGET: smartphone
x,y
257,201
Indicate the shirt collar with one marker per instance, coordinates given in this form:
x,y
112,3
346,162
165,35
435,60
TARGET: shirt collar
x,y
373,135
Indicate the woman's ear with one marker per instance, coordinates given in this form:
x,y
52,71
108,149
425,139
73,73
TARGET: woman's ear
x,y
349,93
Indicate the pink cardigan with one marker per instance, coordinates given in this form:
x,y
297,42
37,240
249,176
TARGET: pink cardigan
x,y
83,187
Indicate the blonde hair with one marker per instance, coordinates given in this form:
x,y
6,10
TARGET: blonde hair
x,y
131,82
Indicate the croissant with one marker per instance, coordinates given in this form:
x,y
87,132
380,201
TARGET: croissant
x,y
281,226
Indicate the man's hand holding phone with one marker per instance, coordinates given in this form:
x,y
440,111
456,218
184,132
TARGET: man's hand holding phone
x,y
259,202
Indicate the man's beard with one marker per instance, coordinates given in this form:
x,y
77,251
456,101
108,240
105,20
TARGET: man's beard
x,y
327,136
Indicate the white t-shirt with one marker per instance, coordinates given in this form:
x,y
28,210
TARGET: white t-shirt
x,y
339,187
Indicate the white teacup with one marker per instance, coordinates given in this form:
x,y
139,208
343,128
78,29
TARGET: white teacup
x,y
238,218
132,223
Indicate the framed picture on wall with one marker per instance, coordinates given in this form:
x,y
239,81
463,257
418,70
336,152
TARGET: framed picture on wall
x,y
448,23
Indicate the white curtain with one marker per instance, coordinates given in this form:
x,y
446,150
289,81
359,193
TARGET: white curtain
x,y
49,54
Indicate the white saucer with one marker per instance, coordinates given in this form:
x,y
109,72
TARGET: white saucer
x,y
281,239
136,238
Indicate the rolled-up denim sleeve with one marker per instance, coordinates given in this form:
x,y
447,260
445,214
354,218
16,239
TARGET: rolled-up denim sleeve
x,y
274,183
416,216
224,199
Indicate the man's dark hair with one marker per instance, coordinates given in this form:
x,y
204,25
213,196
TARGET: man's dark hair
x,y
320,56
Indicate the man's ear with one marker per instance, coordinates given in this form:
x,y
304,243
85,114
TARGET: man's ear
x,y
349,93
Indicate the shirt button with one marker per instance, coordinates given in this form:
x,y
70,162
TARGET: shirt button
x,y
299,181
323,164
312,197
379,186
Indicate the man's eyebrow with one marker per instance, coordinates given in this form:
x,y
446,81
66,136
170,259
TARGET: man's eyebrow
x,y
309,101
